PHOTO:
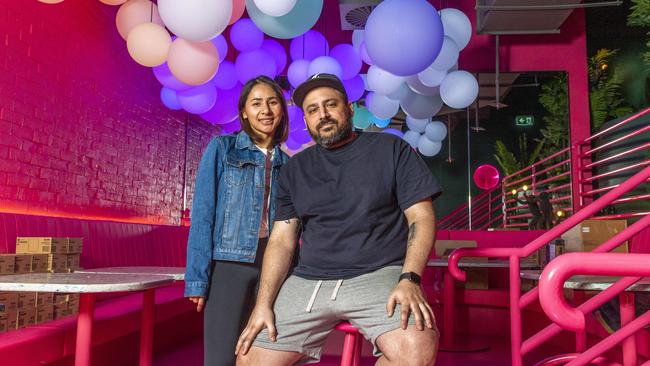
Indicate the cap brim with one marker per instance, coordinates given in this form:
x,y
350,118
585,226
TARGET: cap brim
x,y
303,89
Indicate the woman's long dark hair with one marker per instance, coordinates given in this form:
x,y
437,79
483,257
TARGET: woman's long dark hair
x,y
282,132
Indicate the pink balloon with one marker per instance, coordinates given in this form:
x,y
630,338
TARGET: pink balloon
x,y
238,7
486,176
136,12
193,63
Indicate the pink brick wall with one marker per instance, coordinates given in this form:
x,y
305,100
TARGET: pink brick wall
x,y
82,130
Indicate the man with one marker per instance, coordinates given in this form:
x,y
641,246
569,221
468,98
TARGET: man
x,y
364,203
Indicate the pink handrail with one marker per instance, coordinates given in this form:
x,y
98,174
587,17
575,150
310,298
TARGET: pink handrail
x,y
619,124
551,282
545,238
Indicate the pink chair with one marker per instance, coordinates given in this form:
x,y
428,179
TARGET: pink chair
x,y
351,355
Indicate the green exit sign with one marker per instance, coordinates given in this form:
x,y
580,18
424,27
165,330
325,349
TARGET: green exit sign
x,y
525,120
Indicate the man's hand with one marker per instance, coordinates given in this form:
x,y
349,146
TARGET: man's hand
x,y
199,301
411,299
262,317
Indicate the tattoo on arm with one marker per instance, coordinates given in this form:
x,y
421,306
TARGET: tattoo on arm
x,y
411,235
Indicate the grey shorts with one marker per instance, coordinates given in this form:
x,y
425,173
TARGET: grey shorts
x,y
303,325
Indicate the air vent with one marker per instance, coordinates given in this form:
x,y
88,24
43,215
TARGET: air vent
x,y
354,13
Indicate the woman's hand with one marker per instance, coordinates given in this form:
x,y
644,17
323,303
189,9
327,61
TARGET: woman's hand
x,y
199,301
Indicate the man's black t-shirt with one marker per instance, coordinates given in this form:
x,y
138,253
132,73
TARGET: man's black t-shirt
x,y
351,201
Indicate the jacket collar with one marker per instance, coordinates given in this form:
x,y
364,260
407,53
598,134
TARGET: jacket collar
x,y
244,141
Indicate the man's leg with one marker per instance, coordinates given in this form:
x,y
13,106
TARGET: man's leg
x,y
408,347
262,356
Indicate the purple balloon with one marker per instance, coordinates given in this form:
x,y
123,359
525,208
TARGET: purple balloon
x,y
291,144
296,118
169,98
406,44
245,36
325,64
166,78
226,107
354,87
309,46
198,99
301,136
226,77
297,72
222,46
230,127
363,53
348,58
277,51
251,64
287,95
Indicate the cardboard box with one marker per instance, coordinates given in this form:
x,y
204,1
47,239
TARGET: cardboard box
x,y
444,247
23,263
8,302
75,245
7,263
72,262
26,317
590,234
57,263
44,313
44,298
47,245
26,300
60,298
40,263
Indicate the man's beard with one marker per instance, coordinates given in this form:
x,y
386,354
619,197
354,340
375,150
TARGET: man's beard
x,y
342,132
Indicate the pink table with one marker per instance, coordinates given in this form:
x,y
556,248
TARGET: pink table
x,y
87,285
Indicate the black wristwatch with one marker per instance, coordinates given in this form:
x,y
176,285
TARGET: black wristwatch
x,y
411,276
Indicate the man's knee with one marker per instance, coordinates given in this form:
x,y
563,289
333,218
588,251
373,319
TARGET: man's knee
x,y
412,347
261,356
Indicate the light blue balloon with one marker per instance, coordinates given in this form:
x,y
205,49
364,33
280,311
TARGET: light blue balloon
x,y
169,99
417,125
299,20
381,106
362,118
427,147
393,131
379,122
436,131
325,64
412,138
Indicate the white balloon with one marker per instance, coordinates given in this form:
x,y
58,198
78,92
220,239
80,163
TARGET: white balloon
x,y
364,77
416,85
421,106
427,147
275,8
382,81
448,55
381,106
195,20
436,131
417,125
358,36
459,89
432,77
457,26
402,92
412,138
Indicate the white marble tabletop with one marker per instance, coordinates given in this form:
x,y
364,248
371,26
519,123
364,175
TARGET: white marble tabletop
x,y
478,263
177,273
82,282
592,283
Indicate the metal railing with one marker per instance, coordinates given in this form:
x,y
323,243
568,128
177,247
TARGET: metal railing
x,y
486,212
519,347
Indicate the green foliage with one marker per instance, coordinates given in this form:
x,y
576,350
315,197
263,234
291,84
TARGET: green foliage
x,y
640,17
506,159
605,96
554,97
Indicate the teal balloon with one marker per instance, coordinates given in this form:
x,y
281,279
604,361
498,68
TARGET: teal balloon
x,y
298,21
362,118
381,123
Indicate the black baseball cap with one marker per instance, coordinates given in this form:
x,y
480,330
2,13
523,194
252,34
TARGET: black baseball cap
x,y
317,81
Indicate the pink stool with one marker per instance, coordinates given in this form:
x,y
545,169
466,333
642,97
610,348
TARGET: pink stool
x,y
351,355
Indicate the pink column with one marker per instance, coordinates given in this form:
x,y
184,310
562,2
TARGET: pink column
x,y
626,303
85,330
146,329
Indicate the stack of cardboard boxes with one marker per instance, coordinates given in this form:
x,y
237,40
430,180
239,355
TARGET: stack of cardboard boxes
x,y
38,255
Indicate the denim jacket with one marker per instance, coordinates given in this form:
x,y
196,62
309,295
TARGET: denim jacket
x,y
227,207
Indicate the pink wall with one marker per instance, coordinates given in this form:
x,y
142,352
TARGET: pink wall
x,y
82,130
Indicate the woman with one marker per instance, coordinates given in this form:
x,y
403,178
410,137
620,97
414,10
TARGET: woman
x,y
232,215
